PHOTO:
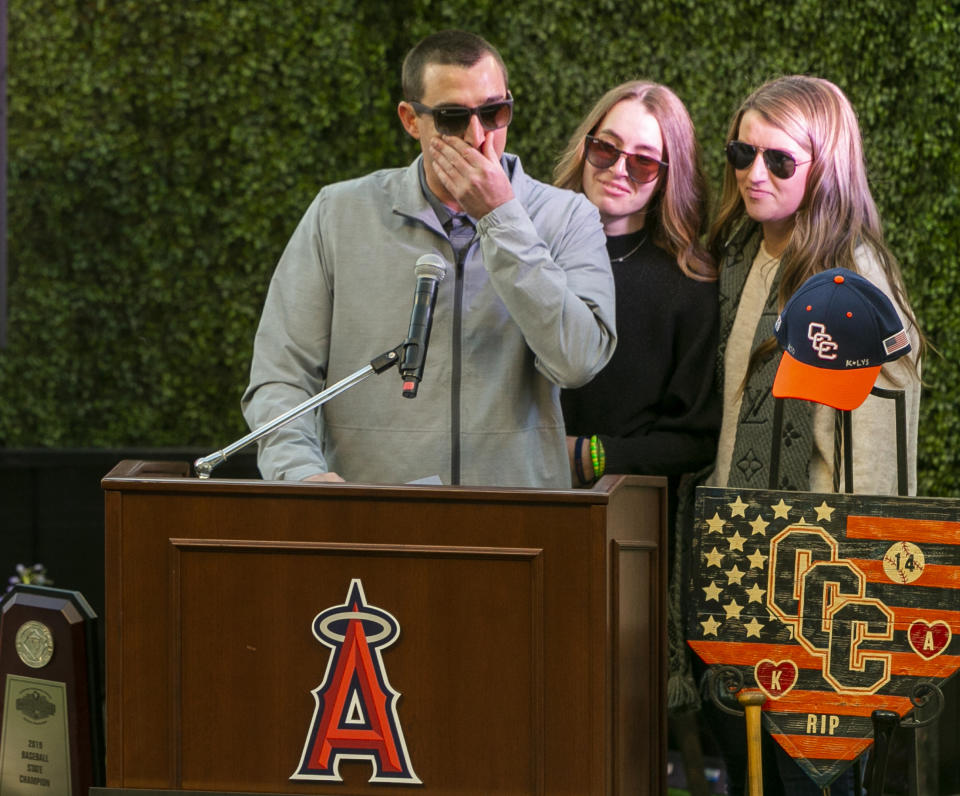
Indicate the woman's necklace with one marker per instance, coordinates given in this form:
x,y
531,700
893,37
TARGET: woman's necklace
x,y
632,251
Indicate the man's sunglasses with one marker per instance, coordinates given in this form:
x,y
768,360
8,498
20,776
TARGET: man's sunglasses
x,y
640,168
454,119
779,163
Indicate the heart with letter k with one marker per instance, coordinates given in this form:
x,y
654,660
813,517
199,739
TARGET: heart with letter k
x,y
775,679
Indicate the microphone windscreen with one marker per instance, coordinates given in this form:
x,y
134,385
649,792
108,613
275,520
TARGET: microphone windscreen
x,y
431,266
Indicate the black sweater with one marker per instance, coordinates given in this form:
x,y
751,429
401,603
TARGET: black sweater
x,y
654,405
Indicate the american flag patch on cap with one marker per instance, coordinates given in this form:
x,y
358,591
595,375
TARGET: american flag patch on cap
x,y
896,342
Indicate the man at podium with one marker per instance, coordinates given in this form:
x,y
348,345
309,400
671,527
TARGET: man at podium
x,y
525,306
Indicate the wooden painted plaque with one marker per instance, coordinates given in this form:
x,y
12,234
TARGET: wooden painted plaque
x,y
833,605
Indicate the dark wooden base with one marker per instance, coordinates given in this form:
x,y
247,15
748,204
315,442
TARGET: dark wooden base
x,y
530,658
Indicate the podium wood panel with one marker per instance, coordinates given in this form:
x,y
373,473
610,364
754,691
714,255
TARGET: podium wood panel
x,y
530,658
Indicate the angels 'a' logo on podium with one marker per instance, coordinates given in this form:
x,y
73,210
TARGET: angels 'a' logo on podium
x,y
356,708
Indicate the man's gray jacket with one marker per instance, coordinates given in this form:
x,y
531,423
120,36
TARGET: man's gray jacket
x,y
530,310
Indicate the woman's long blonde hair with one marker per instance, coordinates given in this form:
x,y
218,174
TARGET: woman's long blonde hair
x,y
678,209
837,213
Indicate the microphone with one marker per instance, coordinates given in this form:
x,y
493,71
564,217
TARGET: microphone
x,y
430,270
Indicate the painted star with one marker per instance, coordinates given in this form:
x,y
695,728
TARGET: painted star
x,y
753,628
714,558
759,525
756,593
710,626
733,609
781,509
735,575
712,591
737,508
736,541
716,524
756,559
824,511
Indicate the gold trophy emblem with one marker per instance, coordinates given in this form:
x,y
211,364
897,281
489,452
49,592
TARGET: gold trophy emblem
x,y
34,643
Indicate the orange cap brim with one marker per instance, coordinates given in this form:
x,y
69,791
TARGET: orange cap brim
x,y
841,389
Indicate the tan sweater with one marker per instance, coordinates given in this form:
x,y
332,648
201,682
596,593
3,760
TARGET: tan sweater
x,y
874,421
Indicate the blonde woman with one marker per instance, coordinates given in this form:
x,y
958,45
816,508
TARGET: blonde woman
x,y
794,202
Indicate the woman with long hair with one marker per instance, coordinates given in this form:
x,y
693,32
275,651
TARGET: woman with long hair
x,y
795,202
653,408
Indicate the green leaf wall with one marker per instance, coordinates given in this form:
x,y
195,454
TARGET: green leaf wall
x,y
160,153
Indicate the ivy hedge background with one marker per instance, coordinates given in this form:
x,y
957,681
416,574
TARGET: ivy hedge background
x,y
160,154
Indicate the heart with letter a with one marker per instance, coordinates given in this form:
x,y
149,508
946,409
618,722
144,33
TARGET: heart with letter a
x,y
929,639
775,679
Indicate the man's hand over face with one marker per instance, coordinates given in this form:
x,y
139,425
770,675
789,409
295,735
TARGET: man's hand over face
x,y
474,178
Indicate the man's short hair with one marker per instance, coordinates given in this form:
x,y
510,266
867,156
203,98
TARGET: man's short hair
x,y
448,48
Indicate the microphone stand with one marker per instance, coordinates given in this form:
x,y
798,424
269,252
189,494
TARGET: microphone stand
x,y
205,464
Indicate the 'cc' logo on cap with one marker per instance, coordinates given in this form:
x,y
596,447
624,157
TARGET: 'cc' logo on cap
x,y
823,343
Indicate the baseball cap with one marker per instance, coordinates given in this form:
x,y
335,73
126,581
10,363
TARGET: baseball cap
x,y
837,330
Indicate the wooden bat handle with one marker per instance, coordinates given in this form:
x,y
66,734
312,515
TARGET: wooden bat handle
x,y
752,699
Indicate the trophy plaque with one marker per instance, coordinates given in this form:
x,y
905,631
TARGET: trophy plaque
x,y
50,725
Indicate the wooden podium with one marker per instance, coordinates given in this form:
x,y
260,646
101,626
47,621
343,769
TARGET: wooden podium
x,y
531,650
